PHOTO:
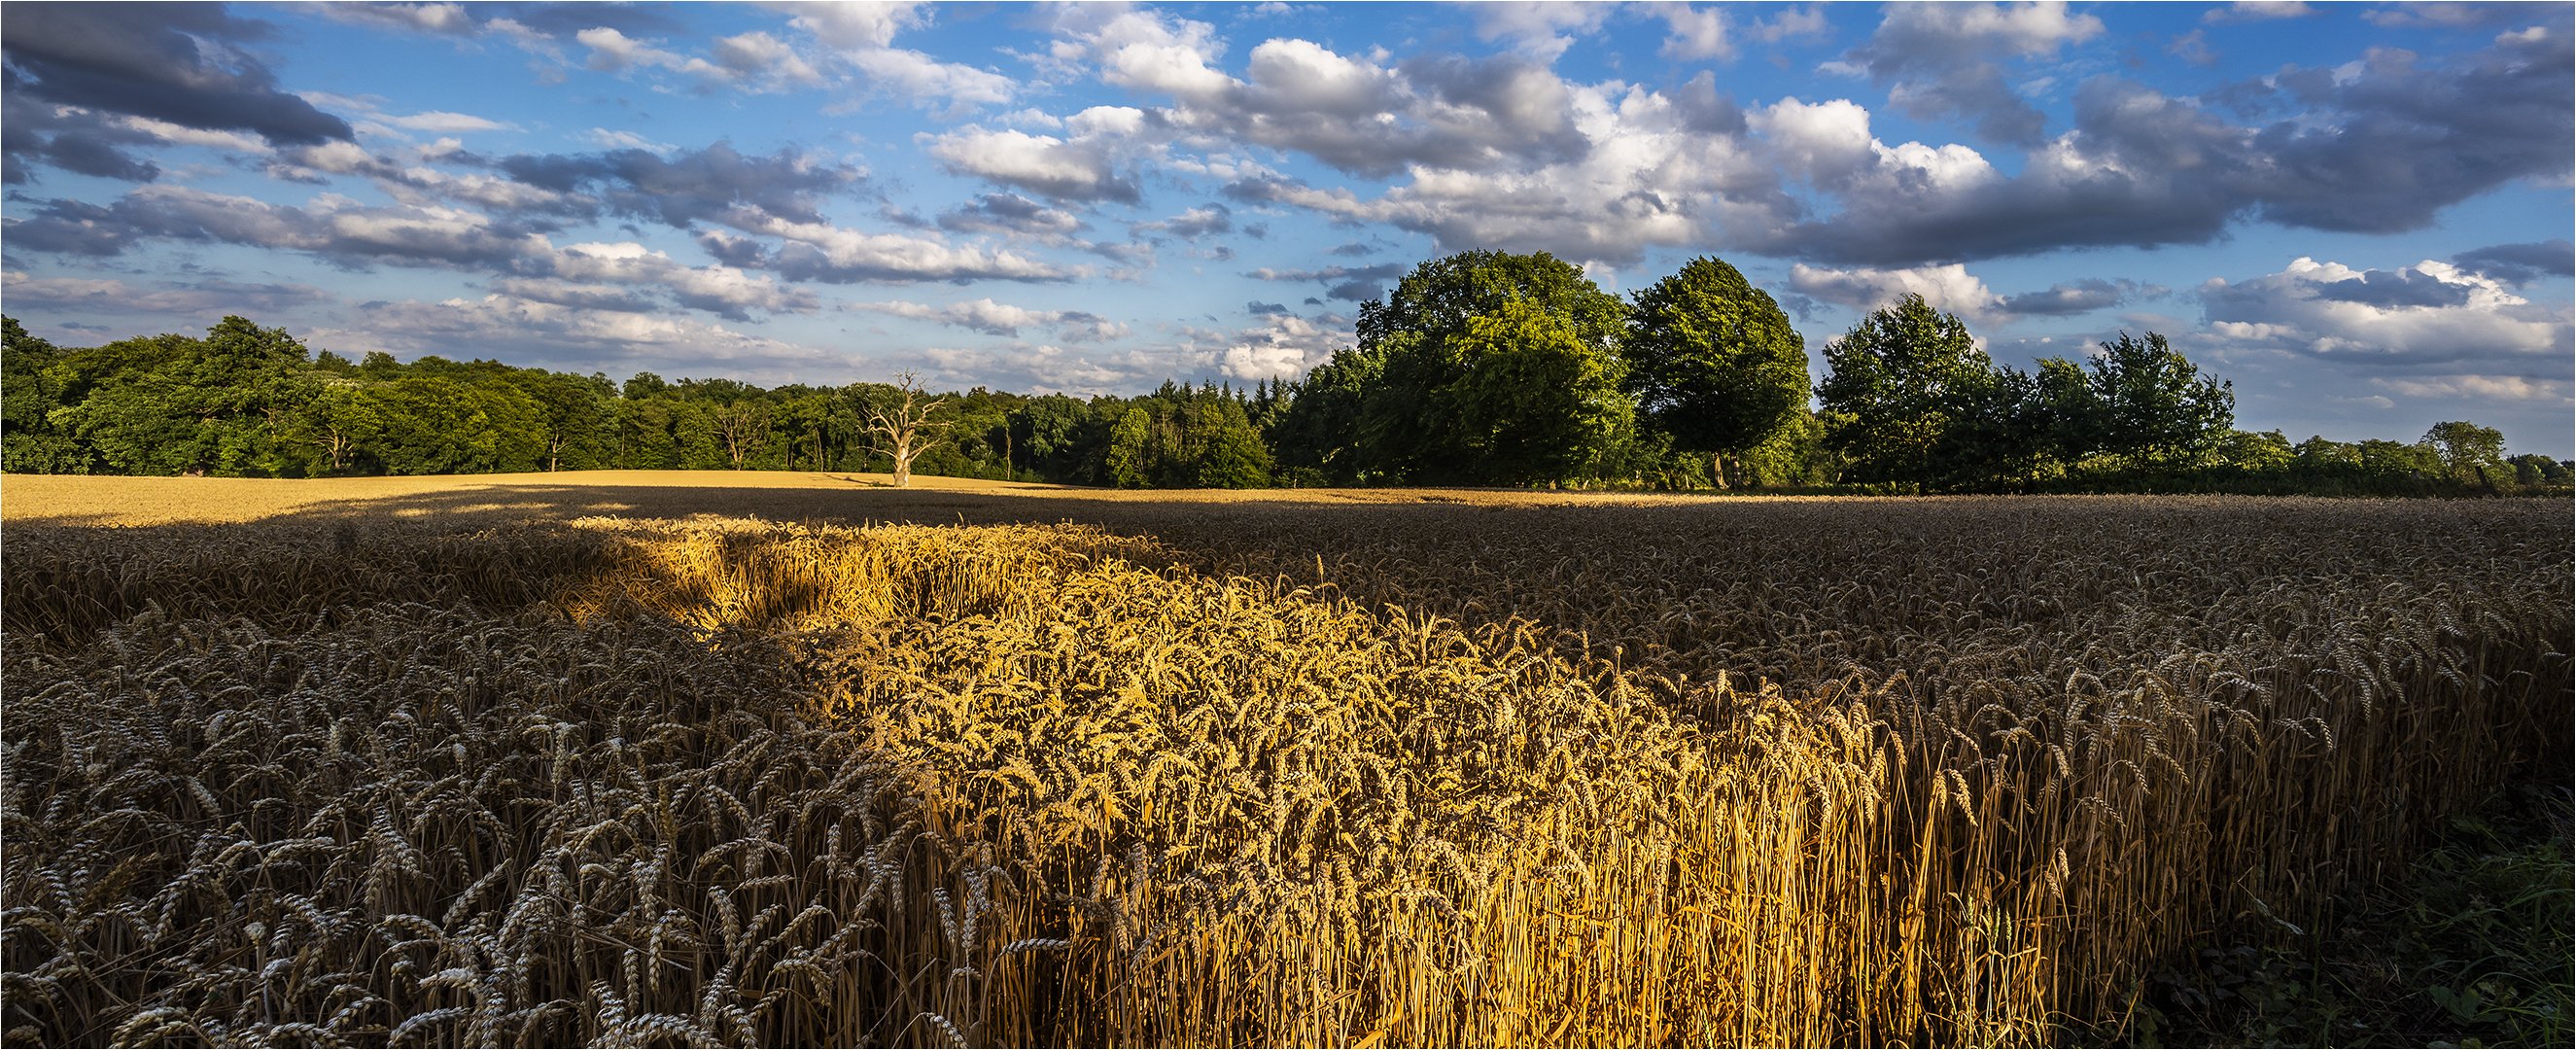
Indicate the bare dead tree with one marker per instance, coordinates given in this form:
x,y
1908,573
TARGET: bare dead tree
x,y
899,428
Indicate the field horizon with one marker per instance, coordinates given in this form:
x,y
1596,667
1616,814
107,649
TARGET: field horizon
x,y
126,500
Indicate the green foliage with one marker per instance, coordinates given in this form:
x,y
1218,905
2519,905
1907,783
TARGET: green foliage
x,y
1535,402
2473,943
1910,395
1129,456
436,424
1058,438
2269,452
1426,395
2531,471
29,441
2468,452
1480,368
171,404
2142,403
1713,362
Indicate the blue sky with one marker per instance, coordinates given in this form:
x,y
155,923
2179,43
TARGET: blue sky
x,y
2358,213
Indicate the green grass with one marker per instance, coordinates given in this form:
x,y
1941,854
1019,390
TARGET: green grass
x,y
2474,944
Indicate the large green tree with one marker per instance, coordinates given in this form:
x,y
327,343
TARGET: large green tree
x,y
2468,452
1422,398
171,404
29,393
2140,402
1537,401
1713,362
1907,391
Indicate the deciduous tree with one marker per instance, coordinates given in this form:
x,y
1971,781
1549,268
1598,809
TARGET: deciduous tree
x,y
1713,362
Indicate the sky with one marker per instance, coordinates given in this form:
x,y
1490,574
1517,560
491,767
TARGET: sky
x,y
2359,214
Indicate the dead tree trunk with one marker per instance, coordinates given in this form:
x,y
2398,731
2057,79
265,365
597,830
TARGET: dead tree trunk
x,y
899,428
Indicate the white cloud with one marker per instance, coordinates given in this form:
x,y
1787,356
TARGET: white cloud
x,y
752,61
1949,288
992,318
442,19
186,136
1083,167
1696,33
441,122
935,84
1651,170
762,57
1140,49
2257,11
1285,346
1794,23
824,252
1826,142
2428,313
722,290
856,23
532,332
2479,389
1543,28
107,296
2029,28
622,139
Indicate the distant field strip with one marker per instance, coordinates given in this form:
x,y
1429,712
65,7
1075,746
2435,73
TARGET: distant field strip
x,y
1302,769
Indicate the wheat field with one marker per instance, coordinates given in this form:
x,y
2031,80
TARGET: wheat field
x,y
832,764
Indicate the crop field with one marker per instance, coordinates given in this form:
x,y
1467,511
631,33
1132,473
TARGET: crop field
x,y
810,761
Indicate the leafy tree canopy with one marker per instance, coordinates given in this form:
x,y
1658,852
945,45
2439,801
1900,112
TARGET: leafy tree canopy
x,y
1712,360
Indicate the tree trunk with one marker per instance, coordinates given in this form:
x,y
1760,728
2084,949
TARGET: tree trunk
x,y
1717,469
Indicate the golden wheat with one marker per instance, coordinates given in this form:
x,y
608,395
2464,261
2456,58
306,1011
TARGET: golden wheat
x,y
1888,772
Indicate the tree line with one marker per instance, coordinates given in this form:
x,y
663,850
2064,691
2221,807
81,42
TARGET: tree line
x,y
1480,368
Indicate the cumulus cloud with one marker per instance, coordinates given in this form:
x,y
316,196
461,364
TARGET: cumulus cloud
x,y
1354,112
1937,59
756,58
1085,167
332,227
1657,169
857,24
1012,215
441,122
944,86
2442,15
726,291
1205,220
2257,11
436,19
1283,346
820,251
1949,288
2381,148
1544,28
2479,388
2428,314
351,235
992,318
1695,33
